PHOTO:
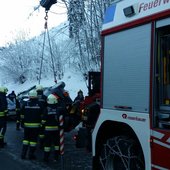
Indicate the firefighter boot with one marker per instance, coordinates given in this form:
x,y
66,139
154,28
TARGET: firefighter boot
x,y
1,143
56,155
32,153
24,151
41,142
17,125
46,156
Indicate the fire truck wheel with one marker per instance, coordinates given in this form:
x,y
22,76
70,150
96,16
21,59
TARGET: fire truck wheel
x,y
120,153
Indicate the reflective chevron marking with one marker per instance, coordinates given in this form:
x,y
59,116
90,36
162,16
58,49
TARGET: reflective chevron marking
x,y
158,167
168,140
157,134
161,143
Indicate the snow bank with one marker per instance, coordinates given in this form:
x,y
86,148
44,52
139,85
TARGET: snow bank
x,y
74,83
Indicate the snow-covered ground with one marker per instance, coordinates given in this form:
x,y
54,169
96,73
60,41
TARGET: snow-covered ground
x,y
74,82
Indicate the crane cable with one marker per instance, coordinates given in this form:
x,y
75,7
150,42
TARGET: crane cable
x,y
51,54
42,57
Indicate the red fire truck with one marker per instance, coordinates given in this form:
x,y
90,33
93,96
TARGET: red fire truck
x,y
133,129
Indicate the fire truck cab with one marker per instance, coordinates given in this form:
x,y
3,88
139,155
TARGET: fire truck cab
x,y
133,129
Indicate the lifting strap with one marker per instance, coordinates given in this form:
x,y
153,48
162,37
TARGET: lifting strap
x,y
51,54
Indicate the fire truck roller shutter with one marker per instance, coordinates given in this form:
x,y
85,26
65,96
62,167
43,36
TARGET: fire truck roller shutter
x,y
128,52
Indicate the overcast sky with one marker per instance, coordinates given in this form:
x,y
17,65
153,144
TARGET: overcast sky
x,y
15,17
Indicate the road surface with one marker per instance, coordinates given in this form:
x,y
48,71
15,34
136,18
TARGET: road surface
x,y
73,158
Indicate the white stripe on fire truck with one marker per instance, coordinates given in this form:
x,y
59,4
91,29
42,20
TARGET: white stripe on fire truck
x,y
158,167
157,134
168,140
161,143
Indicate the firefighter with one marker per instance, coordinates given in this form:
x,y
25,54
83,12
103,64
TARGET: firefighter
x,y
75,112
43,101
31,111
18,114
41,97
79,97
3,115
51,119
12,96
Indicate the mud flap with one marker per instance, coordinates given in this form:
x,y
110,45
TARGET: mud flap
x,y
81,138
84,139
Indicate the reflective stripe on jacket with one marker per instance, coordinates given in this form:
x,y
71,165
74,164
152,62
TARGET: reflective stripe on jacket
x,y
31,113
51,128
2,114
32,125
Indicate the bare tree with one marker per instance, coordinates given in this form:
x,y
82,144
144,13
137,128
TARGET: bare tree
x,y
85,21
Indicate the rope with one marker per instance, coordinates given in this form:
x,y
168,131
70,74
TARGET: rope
x,y
42,57
52,59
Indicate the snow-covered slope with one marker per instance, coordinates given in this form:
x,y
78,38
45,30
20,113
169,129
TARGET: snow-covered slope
x,y
74,83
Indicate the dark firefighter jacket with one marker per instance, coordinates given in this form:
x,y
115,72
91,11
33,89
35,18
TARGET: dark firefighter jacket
x,y
17,105
42,99
12,96
3,107
51,118
18,111
32,112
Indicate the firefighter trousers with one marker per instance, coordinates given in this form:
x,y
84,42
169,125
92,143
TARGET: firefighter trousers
x,y
3,127
30,142
51,138
18,120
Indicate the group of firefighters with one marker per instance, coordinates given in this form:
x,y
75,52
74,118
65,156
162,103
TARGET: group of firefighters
x,y
40,117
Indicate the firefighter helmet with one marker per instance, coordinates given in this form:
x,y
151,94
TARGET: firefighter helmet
x,y
33,94
80,92
39,88
3,89
51,99
66,93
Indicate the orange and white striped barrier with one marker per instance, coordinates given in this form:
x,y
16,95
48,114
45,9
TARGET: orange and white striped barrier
x,y
61,120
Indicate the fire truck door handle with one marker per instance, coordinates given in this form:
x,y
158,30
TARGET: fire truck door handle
x,y
123,107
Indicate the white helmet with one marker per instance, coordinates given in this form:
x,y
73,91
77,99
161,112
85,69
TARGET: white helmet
x,y
33,94
51,99
39,88
3,89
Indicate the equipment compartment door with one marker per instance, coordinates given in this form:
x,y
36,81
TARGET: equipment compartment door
x,y
160,136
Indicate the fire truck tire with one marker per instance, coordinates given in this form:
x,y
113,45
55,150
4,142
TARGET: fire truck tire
x,y
120,153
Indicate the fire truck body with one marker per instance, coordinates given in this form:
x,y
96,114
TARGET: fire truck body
x,y
133,128
90,109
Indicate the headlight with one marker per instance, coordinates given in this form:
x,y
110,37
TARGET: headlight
x,y
84,114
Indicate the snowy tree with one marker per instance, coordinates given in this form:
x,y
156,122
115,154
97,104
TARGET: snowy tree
x,y
85,21
20,59
81,49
